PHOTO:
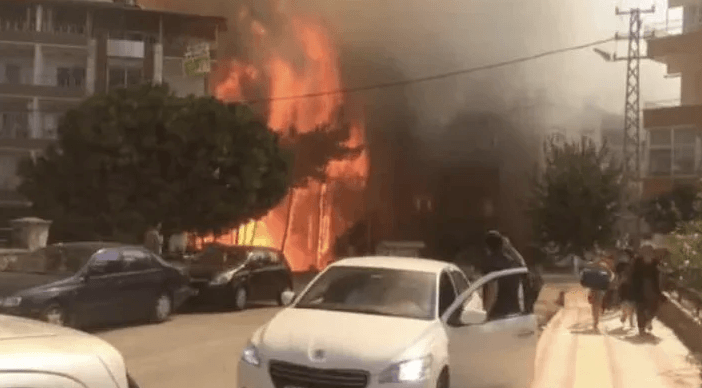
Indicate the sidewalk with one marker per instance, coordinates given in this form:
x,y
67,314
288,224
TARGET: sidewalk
x,y
572,355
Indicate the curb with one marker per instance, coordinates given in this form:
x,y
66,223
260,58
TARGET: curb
x,y
684,324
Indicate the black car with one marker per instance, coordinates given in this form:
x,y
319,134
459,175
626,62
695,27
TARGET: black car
x,y
92,283
236,275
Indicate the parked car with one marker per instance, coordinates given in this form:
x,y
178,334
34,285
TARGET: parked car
x,y
37,354
400,322
92,283
236,275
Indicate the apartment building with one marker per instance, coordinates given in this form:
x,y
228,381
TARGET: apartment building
x,y
673,127
55,53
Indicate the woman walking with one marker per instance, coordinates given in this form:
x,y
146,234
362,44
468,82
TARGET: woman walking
x,y
646,288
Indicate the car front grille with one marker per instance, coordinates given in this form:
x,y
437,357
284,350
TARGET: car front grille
x,y
285,374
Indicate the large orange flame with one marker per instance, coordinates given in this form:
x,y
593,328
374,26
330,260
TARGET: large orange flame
x,y
310,218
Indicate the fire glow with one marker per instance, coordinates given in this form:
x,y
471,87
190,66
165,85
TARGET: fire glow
x,y
308,221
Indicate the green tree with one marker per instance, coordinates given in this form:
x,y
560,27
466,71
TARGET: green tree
x,y
137,156
576,200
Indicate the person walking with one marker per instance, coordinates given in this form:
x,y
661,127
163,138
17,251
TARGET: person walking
x,y
646,288
602,272
628,306
153,240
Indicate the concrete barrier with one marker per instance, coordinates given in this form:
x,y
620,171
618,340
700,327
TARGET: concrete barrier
x,y
683,323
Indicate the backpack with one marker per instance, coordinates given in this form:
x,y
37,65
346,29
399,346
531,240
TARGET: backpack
x,y
595,279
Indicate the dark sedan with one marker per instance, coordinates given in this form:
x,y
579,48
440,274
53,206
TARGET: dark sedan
x,y
92,283
236,275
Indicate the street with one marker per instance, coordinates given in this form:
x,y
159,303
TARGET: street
x,y
193,349
201,349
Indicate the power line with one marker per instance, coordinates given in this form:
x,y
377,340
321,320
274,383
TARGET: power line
x,y
434,77
404,82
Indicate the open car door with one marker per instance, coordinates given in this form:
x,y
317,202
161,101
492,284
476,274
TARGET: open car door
x,y
489,349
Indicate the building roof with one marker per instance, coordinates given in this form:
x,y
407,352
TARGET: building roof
x,y
107,5
399,263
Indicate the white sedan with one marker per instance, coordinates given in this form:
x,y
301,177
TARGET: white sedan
x,y
395,322
36,354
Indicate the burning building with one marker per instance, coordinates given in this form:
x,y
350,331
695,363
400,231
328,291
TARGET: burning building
x,y
287,74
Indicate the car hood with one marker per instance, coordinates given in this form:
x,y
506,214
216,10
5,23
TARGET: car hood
x,y
14,282
349,340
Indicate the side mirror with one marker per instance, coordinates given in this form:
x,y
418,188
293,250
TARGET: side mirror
x,y
287,297
471,316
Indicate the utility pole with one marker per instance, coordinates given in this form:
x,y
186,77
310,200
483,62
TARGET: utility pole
x,y
631,152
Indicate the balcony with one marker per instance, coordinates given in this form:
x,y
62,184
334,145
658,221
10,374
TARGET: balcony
x,y
671,113
47,86
26,130
19,30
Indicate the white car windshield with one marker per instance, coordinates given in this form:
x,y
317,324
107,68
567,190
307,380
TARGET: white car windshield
x,y
380,291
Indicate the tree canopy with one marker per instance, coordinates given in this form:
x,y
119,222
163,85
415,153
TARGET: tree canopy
x,y
576,198
134,157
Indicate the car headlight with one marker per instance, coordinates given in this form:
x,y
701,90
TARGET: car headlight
x,y
407,371
12,301
250,356
222,278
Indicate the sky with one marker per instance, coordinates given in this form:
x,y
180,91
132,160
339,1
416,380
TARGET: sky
x,y
429,37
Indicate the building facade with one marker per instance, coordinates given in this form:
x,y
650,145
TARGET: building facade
x,y
55,53
673,127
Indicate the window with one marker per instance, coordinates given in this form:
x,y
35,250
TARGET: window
x,y
447,294
106,262
660,162
660,137
70,77
117,78
460,281
14,125
136,260
120,77
12,74
504,297
672,151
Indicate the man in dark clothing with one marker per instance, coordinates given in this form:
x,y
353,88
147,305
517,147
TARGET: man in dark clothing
x,y
501,297
646,288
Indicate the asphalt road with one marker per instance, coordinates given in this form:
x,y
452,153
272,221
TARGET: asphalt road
x,y
194,349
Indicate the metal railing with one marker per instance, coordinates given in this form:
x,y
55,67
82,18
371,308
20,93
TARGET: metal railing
x,y
69,82
671,103
22,25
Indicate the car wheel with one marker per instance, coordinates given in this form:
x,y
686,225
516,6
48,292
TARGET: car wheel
x,y
56,315
240,298
279,299
163,307
443,379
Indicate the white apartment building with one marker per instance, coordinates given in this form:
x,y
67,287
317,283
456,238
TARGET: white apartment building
x,y
55,53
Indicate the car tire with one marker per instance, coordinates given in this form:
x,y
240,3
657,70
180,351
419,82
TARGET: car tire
x,y
241,298
443,381
163,308
55,314
279,298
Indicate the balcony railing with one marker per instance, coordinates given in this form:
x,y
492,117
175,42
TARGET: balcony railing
x,y
20,124
45,80
671,103
23,25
